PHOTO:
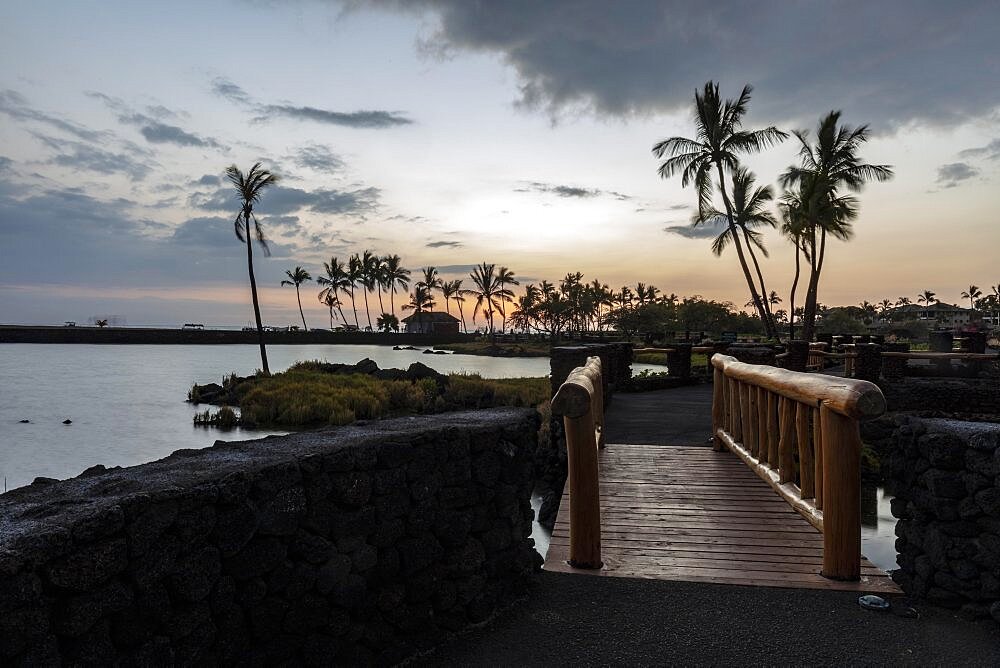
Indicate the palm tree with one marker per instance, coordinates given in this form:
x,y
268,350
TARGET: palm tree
x,y
368,277
336,281
487,291
381,279
249,187
972,294
903,301
793,227
420,300
505,276
396,277
297,278
449,291
431,280
825,168
750,211
355,270
331,301
720,139
459,298
927,297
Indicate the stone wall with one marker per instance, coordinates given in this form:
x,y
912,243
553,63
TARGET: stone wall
x,y
362,545
949,395
945,475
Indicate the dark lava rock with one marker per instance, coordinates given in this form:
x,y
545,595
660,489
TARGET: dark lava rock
x,y
25,421
67,421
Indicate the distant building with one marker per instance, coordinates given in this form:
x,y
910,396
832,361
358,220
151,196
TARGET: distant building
x,y
946,315
430,322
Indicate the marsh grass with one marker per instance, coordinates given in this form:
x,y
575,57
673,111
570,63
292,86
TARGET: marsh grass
x,y
307,396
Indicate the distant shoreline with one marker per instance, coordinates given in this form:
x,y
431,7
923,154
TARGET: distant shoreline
x,y
164,336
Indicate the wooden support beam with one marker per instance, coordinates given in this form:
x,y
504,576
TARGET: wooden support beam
x,y
842,494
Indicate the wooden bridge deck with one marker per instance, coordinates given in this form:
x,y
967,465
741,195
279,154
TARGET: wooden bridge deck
x,y
693,514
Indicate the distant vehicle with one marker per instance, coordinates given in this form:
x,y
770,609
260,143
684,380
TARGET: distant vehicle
x,y
193,325
69,323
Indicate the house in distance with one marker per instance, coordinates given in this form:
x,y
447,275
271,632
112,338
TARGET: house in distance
x,y
430,322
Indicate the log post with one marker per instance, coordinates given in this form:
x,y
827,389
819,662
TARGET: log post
x,y
819,452
584,493
842,492
773,433
806,465
786,445
718,407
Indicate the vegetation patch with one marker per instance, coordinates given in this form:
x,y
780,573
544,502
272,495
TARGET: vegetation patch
x,y
486,348
314,394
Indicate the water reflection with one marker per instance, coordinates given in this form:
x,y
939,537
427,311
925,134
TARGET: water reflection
x,y
878,527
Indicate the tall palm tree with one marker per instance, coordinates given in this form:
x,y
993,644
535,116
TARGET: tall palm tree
x,y
368,277
793,227
336,282
379,270
297,277
431,280
825,169
355,274
459,298
249,187
420,300
927,297
396,277
449,292
972,294
720,140
903,301
505,276
750,211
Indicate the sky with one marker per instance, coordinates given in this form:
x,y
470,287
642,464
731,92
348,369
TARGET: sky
x,y
454,132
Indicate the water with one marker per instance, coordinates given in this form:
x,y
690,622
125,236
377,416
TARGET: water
x,y
878,527
127,403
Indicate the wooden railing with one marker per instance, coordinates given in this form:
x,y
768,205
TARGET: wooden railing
x,y
580,400
767,415
816,360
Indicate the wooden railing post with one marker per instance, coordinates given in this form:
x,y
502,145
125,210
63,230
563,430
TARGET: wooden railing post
x,y
842,494
718,406
580,401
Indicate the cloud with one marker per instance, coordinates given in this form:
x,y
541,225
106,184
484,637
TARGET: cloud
x,y
569,191
6,164
456,268
77,155
15,105
991,151
318,158
368,119
703,231
952,174
282,200
889,63
155,131
209,180
444,244
365,118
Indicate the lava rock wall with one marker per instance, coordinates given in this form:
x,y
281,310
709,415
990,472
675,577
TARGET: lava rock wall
x,y
945,475
359,545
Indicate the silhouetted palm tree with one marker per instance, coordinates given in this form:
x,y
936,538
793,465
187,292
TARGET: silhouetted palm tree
x,y
927,297
825,168
355,274
459,298
487,291
505,276
972,294
336,282
420,299
396,277
720,139
249,186
331,301
297,277
387,322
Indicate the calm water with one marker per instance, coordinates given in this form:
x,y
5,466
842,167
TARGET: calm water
x,y
127,402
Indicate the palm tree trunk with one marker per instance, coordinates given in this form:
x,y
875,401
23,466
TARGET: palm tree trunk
x,y
461,313
739,250
771,328
392,299
791,297
331,317
816,266
367,311
301,314
253,293
381,307
354,305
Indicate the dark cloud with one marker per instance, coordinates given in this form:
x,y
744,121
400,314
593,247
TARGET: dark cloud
x,y
569,191
77,155
678,207
365,118
318,158
154,130
15,105
950,175
705,231
444,244
368,119
991,151
6,164
887,62
209,180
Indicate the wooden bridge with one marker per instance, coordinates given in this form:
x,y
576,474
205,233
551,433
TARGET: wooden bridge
x,y
773,501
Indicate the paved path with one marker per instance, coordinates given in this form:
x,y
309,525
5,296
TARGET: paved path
x,y
681,416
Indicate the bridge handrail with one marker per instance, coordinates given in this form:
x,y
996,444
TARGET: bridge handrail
x,y
764,414
580,400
